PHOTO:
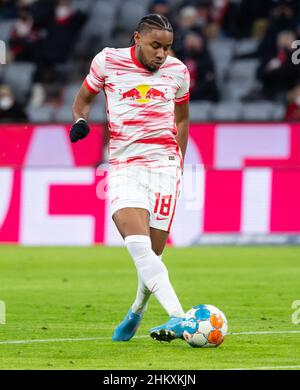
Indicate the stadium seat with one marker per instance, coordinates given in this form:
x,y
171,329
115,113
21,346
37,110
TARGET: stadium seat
x,y
227,111
200,111
95,35
106,13
243,69
70,91
1,74
257,111
221,51
19,76
84,6
40,114
223,46
235,90
245,46
241,79
278,111
63,114
6,27
131,11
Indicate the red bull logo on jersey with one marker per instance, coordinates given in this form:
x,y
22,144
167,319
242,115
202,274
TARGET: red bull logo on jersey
x,y
143,94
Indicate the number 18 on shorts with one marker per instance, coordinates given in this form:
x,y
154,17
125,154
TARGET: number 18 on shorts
x,y
153,189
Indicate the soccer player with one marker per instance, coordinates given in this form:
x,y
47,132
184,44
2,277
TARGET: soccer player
x,y
147,100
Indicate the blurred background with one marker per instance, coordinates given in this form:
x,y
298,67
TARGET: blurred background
x,y
245,110
238,53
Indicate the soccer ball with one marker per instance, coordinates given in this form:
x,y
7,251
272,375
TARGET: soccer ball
x,y
206,326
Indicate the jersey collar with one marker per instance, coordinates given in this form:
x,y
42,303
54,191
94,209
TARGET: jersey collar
x,y
134,59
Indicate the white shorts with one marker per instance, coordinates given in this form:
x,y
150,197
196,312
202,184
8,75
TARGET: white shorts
x,y
153,189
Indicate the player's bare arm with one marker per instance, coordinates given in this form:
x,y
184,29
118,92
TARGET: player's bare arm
x,y
182,123
81,108
82,103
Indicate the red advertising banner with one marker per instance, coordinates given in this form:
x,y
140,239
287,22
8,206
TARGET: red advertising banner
x,y
47,145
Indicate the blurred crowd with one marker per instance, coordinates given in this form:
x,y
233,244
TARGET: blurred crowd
x,y
60,37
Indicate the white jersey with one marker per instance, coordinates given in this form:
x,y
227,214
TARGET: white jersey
x,y
140,106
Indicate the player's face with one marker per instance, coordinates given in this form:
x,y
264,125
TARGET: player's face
x,y
153,48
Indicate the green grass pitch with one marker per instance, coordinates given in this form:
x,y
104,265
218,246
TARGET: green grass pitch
x,y
81,293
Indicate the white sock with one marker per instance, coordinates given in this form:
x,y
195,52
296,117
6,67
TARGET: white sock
x,y
143,295
153,273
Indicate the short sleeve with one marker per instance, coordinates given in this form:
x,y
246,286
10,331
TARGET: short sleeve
x,y
183,94
94,81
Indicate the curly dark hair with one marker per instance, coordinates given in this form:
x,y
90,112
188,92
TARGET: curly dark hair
x,y
153,21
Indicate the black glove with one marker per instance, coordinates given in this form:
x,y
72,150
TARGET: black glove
x,y
79,130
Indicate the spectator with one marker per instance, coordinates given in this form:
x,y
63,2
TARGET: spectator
x,y
240,17
10,109
204,9
161,7
24,37
293,106
61,38
200,65
283,18
56,48
205,15
216,19
7,9
187,20
278,73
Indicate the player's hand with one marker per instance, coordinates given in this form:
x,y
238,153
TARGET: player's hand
x,y
79,130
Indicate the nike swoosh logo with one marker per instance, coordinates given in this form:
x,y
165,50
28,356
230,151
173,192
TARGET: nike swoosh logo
x,y
161,219
120,73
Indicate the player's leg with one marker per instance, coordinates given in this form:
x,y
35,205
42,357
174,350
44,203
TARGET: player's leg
x,y
153,272
135,222
158,239
175,326
164,195
133,225
132,221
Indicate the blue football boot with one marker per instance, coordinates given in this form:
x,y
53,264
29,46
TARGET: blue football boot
x,y
172,329
128,327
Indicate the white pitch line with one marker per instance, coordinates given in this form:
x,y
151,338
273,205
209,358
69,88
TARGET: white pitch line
x,y
60,340
265,332
56,340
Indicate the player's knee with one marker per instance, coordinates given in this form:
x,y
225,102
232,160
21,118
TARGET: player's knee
x,y
131,229
124,228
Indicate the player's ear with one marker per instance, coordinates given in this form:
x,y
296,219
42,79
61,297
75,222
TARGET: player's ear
x,y
137,37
